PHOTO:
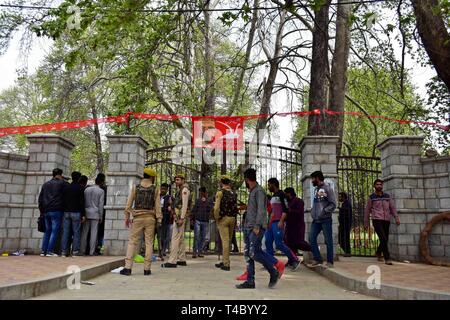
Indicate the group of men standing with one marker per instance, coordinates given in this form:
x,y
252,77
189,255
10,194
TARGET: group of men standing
x,y
278,218
75,209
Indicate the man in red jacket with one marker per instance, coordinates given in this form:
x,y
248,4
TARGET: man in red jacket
x,y
381,208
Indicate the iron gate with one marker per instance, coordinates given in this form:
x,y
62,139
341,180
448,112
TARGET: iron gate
x,y
270,161
356,175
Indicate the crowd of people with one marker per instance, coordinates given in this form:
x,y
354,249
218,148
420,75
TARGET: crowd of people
x,y
74,215
276,219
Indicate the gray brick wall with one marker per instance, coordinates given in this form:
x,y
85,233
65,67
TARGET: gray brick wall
x,y
21,178
421,188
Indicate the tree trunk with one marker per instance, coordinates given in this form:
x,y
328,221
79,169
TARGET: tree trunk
x,y
334,125
319,69
435,37
98,142
251,36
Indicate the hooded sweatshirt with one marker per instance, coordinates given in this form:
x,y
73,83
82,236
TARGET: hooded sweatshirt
x,y
324,203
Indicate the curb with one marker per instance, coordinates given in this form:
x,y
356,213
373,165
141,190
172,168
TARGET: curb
x,y
25,290
388,292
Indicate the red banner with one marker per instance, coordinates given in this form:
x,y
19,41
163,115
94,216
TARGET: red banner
x,y
218,132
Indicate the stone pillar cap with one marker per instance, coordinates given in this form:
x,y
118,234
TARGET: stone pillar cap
x,y
401,140
52,138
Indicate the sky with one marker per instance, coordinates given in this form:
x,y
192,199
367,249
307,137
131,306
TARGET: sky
x,y
12,60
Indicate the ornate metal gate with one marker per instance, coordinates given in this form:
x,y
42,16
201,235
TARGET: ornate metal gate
x,y
355,177
270,161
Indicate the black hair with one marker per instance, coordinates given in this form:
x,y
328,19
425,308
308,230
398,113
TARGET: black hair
x,y
101,176
318,174
225,181
76,176
202,189
250,174
164,185
377,180
83,180
344,195
146,176
291,191
274,181
57,172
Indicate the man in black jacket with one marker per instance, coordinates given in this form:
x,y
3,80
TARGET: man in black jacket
x,y
51,206
74,214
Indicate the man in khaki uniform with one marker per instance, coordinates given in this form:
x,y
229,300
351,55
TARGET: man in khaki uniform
x,y
225,212
182,206
142,213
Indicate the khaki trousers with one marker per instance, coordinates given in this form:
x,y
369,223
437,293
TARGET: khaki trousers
x,y
226,228
145,223
177,246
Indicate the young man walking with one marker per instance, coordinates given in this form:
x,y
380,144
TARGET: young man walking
x,y
324,203
51,206
254,228
225,212
381,208
275,231
93,203
201,213
74,214
142,214
181,205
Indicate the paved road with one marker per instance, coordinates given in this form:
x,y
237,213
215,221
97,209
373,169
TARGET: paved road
x,y
201,280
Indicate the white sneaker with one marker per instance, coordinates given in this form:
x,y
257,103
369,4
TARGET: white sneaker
x,y
42,254
50,254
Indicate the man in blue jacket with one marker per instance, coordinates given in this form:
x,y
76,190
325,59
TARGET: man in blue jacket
x,y
323,205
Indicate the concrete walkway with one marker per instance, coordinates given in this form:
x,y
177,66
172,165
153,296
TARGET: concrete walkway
x,y
30,276
201,280
412,281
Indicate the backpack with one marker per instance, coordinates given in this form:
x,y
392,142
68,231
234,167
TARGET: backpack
x,y
145,198
228,204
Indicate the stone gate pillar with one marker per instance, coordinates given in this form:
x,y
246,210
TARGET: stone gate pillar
x,y
319,153
125,168
46,152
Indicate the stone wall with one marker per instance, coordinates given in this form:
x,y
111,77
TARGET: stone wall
x,y
421,189
319,153
21,178
126,166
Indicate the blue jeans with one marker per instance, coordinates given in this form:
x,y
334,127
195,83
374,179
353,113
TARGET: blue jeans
x,y
72,224
326,227
165,237
53,222
200,229
276,234
253,252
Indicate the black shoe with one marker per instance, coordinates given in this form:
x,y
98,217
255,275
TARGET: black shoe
x,y
125,272
194,256
169,265
219,265
147,272
245,285
182,263
225,268
201,256
274,279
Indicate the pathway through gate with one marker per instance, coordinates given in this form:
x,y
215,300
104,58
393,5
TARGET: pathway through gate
x,y
270,161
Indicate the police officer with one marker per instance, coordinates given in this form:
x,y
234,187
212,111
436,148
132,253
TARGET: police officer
x,y
142,213
225,212
181,205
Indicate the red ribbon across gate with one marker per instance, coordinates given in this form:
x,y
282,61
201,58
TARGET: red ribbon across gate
x,y
168,117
